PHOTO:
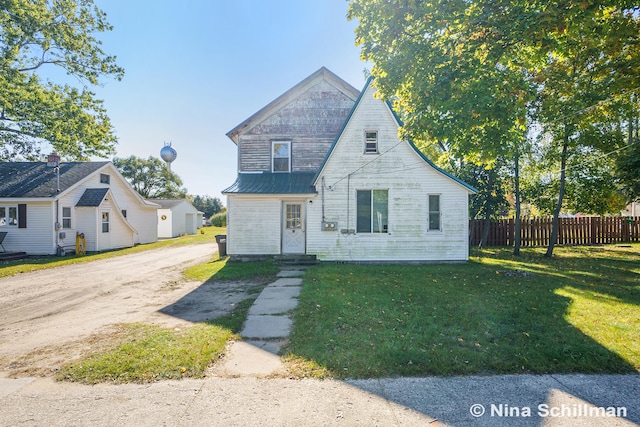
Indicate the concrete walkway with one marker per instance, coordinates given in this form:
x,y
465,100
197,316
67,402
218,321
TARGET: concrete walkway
x,y
266,329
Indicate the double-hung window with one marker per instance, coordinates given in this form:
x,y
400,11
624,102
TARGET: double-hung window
x,y
66,217
371,142
372,211
281,156
8,215
434,212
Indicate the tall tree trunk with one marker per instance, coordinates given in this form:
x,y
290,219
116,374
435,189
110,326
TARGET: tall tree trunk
x,y
488,206
516,244
556,214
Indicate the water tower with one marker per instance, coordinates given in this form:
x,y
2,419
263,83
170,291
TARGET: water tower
x,y
168,154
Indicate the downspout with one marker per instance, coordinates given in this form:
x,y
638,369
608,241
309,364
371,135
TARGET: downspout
x,y
323,200
56,226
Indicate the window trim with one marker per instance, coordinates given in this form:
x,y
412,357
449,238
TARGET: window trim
x,y
4,219
107,222
429,212
371,214
67,218
367,142
273,155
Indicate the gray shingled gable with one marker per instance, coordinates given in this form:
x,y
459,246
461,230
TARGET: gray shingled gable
x,y
92,197
35,179
282,100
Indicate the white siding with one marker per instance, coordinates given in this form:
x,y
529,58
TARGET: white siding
x,y
165,226
180,219
253,225
141,217
120,234
87,223
408,179
39,236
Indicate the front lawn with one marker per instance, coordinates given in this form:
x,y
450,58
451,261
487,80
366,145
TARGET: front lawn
x,y
145,353
496,314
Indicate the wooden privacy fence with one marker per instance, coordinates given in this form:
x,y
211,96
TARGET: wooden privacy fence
x,y
571,231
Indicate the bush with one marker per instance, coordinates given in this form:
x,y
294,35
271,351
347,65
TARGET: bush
x,y
219,219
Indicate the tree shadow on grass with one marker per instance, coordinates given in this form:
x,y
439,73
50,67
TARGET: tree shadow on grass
x,y
487,317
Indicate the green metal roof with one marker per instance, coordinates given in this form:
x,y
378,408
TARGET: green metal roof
x,y
273,183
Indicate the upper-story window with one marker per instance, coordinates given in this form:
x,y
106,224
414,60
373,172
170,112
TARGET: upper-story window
x,y
281,156
104,178
371,142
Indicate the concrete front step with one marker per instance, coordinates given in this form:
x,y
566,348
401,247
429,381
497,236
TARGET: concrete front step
x,y
295,259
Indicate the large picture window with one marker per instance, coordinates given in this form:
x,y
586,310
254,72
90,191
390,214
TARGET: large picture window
x,y
281,156
372,211
434,212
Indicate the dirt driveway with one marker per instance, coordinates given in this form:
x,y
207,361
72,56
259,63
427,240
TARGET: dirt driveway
x,y
51,316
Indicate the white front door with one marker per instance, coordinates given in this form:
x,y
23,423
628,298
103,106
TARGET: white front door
x,y
293,235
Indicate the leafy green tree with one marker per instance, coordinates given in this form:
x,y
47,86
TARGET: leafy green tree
x,y
450,78
39,35
151,177
628,162
206,204
472,75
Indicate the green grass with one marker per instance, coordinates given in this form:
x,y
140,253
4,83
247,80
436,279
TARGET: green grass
x,y
11,268
144,353
151,353
222,269
496,314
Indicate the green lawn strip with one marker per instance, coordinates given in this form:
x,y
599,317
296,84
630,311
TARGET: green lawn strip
x,y
222,269
496,314
147,353
151,353
10,268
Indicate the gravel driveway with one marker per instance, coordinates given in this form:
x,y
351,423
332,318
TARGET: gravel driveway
x,y
50,316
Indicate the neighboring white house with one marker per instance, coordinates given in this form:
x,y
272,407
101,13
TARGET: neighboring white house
x,y
364,196
42,210
633,209
177,217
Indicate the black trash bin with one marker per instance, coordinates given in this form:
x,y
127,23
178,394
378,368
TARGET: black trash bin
x,y
221,240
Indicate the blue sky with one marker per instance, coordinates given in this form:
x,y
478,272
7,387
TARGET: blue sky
x,y
195,69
